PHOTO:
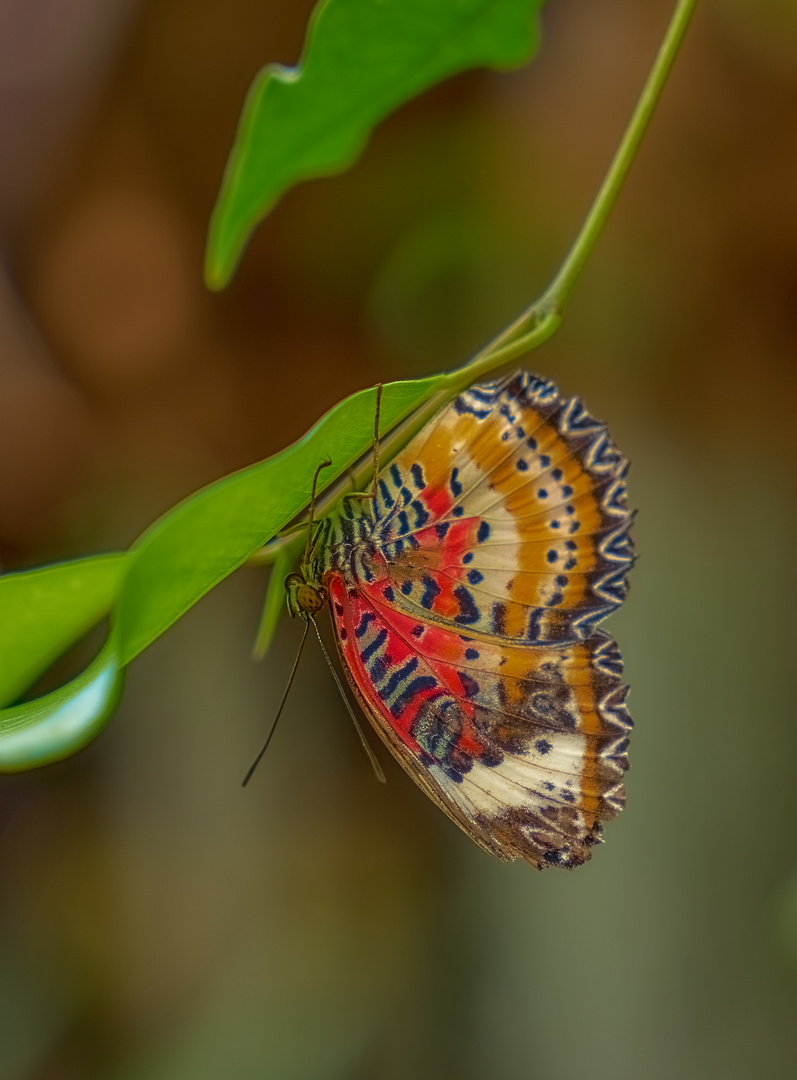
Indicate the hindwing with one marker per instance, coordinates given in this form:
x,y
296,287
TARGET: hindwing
x,y
523,748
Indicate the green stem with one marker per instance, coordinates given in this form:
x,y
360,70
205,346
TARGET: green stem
x,y
542,318
559,290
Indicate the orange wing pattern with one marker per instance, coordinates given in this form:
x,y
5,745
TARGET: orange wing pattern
x,y
465,599
524,748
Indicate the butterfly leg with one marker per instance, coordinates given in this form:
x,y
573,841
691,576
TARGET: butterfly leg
x,y
375,451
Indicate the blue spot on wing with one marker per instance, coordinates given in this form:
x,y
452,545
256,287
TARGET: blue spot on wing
x,y
616,500
456,486
419,684
378,668
421,513
579,418
362,626
375,646
462,406
618,547
468,612
398,677
430,590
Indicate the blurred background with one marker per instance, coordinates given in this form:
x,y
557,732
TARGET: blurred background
x,y
155,921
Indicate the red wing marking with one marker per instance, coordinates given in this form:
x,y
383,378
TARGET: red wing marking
x,y
523,748
509,520
465,602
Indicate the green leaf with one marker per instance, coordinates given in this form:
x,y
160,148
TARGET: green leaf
x,y
55,726
43,612
205,538
170,567
362,59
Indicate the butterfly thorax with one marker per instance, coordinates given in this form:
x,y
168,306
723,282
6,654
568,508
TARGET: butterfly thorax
x,y
346,544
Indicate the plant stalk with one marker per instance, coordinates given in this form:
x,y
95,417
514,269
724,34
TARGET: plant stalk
x,y
542,318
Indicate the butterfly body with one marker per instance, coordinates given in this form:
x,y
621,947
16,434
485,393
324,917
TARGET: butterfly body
x,y
465,598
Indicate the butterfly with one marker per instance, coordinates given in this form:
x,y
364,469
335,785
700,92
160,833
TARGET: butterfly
x,y
466,595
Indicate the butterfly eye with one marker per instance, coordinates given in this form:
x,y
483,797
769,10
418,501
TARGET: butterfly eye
x,y
309,599
303,598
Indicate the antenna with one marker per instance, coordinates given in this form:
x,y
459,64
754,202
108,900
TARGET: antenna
x,y
377,413
311,513
264,747
368,751
308,618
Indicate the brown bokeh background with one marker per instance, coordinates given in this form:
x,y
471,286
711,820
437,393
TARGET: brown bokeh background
x,y
156,922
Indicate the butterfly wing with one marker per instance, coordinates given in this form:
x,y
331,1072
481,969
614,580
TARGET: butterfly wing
x,y
506,516
465,601
524,748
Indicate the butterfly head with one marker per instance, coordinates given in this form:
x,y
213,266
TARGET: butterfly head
x,y
304,597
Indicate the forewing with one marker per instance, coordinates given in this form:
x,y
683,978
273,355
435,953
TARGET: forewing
x,y
506,517
524,748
